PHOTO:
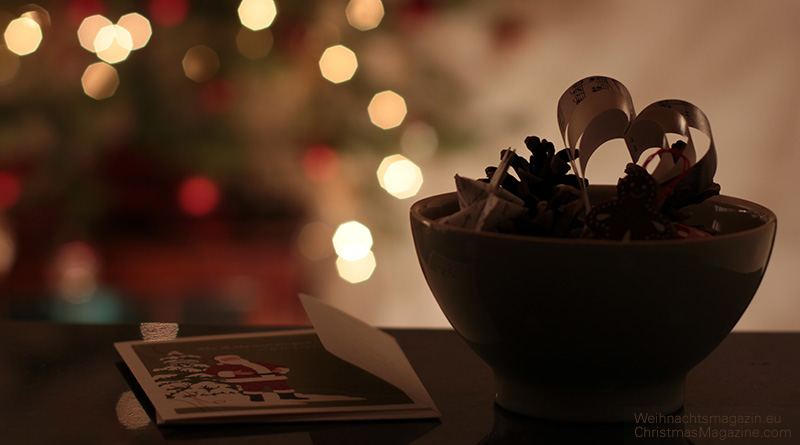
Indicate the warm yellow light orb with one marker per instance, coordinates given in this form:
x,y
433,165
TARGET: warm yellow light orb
x,y
352,241
139,28
23,36
257,14
113,44
338,64
100,80
87,31
364,14
200,63
399,176
356,271
38,15
387,109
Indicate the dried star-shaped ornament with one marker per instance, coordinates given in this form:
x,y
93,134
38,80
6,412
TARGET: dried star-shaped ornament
x,y
635,213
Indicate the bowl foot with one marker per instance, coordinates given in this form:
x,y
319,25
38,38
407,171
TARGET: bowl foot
x,y
589,404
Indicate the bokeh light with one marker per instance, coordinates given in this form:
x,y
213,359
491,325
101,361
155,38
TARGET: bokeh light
x,y
254,44
113,44
100,80
10,190
90,26
139,28
338,64
356,271
198,196
38,15
399,176
387,109
200,63
314,241
352,241
257,14
320,164
364,14
23,36
75,268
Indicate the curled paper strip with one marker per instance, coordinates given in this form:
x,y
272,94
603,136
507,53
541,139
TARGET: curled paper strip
x,y
543,200
593,111
598,109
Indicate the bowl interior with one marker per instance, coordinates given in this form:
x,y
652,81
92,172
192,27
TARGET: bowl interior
x,y
726,215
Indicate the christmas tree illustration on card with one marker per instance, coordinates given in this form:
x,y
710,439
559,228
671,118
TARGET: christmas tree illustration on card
x,y
343,369
184,376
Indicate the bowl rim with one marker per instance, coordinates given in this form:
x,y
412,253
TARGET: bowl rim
x,y
768,217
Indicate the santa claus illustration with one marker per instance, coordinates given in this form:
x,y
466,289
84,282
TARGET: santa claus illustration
x,y
253,377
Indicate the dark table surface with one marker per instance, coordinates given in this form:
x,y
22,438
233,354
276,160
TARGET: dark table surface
x,y
66,384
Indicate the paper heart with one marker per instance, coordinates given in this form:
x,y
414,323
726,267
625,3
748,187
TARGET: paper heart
x,y
598,109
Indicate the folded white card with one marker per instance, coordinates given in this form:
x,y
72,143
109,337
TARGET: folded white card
x,y
342,369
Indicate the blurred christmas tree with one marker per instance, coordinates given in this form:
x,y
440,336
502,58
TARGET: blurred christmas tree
x,y
206,96
227,122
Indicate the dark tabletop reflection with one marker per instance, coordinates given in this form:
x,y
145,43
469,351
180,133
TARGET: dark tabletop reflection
x,y
66,384
511,428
